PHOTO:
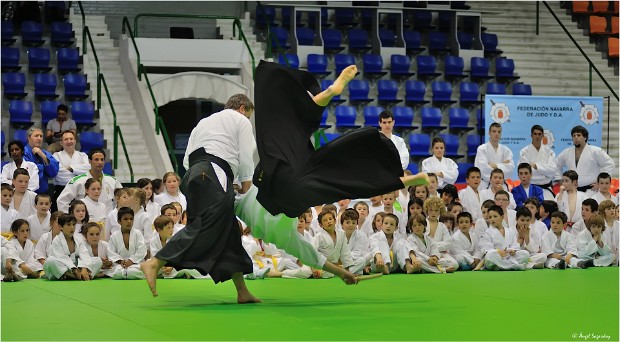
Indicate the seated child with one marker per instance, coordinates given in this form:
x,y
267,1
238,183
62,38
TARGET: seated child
x,y
465,245
22,263
43,247
482,224
69,258
40,221
8,214
365,222
332,244
23,199
126,248
592,245
529,240
499,245
121,198
559,245
607,209
437,230
164,226
426,251
391,252
357,241
448,220
604,183
547,208
534,206
97,248
8,255
589,208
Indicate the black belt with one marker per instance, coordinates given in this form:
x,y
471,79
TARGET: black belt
x,y
201,155
546,187
584,188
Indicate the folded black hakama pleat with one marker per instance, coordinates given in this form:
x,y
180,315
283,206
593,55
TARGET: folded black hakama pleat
x,y
291,175
211,240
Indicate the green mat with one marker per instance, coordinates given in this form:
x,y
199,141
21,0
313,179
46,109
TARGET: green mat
x,y
491,306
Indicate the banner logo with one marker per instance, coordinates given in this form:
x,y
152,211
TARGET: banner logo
x,y
548,138
500,113
589,114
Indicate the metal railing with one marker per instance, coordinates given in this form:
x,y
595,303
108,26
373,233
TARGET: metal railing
x,y
86,36
570,36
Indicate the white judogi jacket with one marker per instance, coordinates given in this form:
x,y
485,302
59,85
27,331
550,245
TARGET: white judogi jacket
x,y
372,211
78,162
565,244
487,194
165,198
598,197
359,245
25,254
75,190
102,250
587,247
8,216
424,249
43,247
592,162
534,245
492,239
7,174
471,202
446,165
546,166
563,205
539,227
153,209
60,251
338,251
26,207
96,210
111,224
480,227
117,251
442,238
155,245
464,248
366,227
38,228
403,151
486,154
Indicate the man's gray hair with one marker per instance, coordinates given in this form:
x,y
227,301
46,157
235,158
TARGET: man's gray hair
x,y
236,101
32,129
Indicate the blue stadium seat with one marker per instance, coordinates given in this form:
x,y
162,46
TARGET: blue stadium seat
x,y
438,43
345,117
387,37
431,119
312,18
422,20
61,33
32,33
305,36
7,33
496,89
330,137
453,68
345,18
358,41
373,66
48,111
286,18
403,118
466,40
387,91
413,42
279,39
39,59
20,112
293,60
479,69
342,61
414,92
45,86
21,135
504,69
444,20
489,41
75,86
10,59
419,145
371,115
324,119
400,65
462,167
473,141
317,65
469,94
427,66
14,84
107,168
413,167
265,16
68,60
358,92
459,119
336,99
90,140
452,145
442,93
332,40
521,89
83,113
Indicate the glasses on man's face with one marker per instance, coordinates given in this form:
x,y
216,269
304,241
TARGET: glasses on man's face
x,y
502,199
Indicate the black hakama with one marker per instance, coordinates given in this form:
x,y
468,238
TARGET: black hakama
x,y
292,176
211,240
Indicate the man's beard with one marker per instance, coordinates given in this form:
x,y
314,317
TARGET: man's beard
x,y
578,145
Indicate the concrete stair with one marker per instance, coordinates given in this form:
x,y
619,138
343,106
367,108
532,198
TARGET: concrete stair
x,y
550,62
108,56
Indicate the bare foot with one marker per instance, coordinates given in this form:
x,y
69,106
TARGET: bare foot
x,y
247,299
343,79
411,269
417,179
450,269
150,269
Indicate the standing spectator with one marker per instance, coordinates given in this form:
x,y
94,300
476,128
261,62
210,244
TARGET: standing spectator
x,y
587,160
493,155
542,160
56,127
71,163
47,164
386,122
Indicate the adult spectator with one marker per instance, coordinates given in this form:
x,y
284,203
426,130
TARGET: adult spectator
x,y
386,122
542,159
57,126
47,164
75,188
71,163
587,160
16,151
493,155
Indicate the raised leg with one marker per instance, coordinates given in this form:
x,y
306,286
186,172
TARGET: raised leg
x,y
323,98
150,268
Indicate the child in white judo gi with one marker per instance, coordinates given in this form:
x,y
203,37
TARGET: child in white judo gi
x,y
470,196
121,198
499,245
97,210
126,248
426,251
44,245
22,263
392,252
357,241
482,224
592,245
533,205
589,208
8,214
559,245
164,227
40,221
436,230
97,247
607,209
529,240
332,244
23,199
69,258
465,244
